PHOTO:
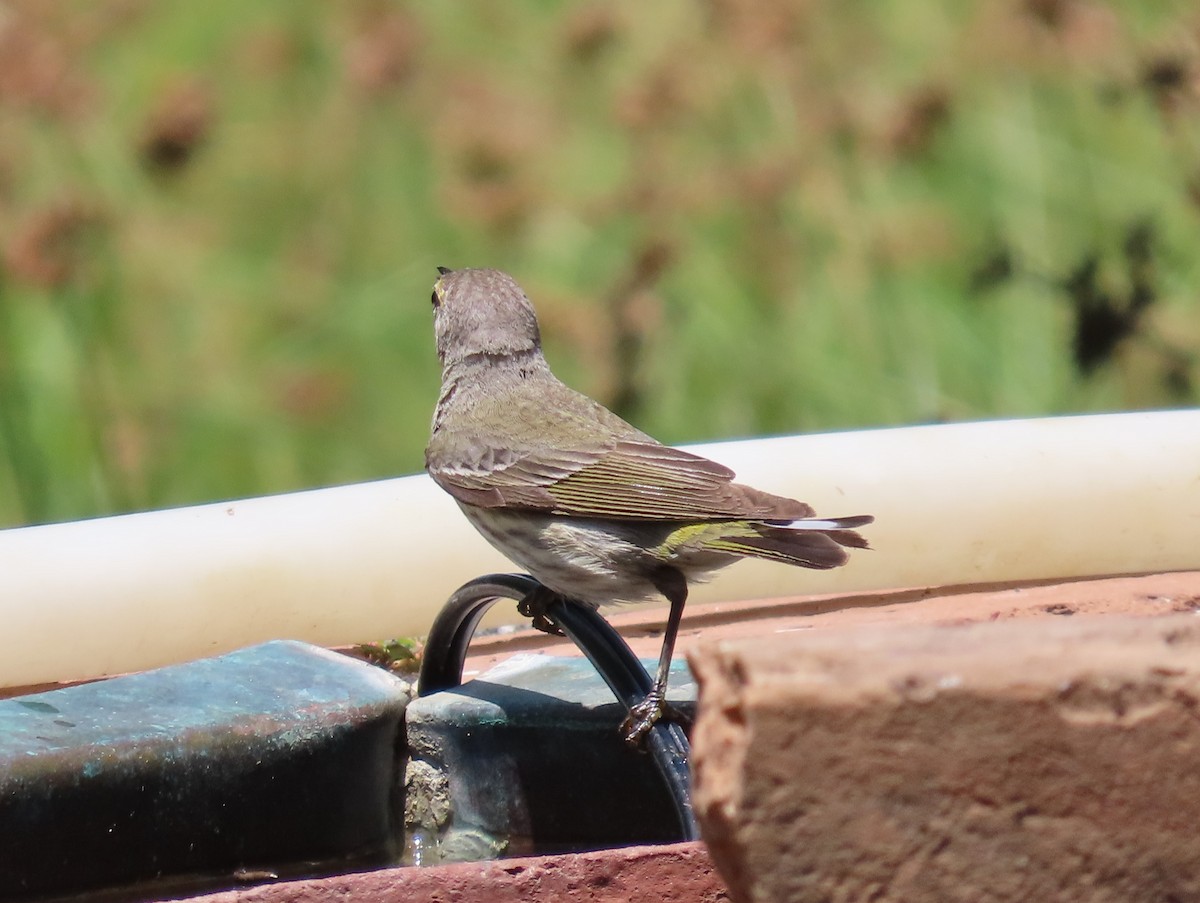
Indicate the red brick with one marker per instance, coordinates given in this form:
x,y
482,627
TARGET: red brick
x,y
1049,760
678,873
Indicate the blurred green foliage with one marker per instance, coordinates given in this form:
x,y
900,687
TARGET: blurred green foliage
x,y
220,222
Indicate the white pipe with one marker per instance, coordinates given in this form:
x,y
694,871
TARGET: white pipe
x,y
960,503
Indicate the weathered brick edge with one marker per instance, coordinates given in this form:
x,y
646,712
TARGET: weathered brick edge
x,y
1051,759
676,873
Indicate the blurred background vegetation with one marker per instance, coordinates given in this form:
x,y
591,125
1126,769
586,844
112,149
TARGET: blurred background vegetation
x,y
219,222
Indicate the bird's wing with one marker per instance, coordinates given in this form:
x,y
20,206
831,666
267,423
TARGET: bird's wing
x,y
650,481
632,479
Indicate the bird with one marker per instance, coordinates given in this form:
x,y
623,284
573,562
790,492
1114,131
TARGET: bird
x,y
597,511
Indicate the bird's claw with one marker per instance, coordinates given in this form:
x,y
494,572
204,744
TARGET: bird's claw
x,y
533,607
647,713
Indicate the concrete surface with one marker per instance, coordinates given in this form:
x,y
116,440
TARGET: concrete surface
x,y
1048,759
279,757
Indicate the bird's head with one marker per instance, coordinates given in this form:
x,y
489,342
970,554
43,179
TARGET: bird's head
x,y
482,312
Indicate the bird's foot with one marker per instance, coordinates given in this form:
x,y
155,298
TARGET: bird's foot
x,y
647,713
534,607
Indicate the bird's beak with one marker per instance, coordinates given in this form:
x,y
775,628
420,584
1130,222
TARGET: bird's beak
x,y
444,270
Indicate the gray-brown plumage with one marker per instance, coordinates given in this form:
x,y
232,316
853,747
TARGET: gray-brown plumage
x,y
593,508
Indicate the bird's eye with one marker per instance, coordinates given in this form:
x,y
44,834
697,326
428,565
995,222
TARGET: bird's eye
x,y
437,302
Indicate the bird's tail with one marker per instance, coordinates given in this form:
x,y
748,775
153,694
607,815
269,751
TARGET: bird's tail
x,y
810,542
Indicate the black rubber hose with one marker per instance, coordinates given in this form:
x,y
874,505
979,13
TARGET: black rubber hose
x,y
452,630
611,656
450,635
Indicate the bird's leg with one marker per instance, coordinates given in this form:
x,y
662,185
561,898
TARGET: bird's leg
x,y
643,716
534,605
